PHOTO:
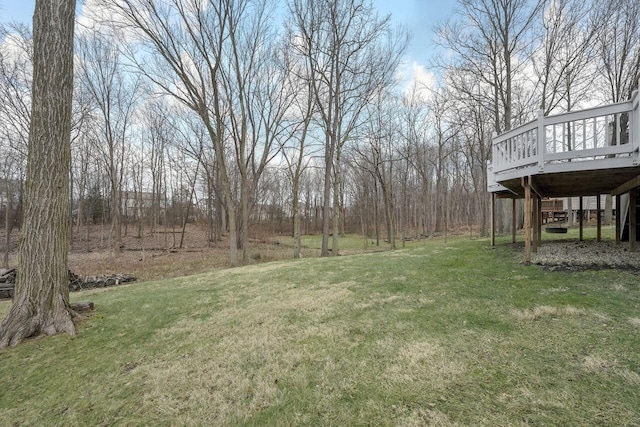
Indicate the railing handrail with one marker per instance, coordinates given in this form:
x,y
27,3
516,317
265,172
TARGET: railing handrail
x,y
603,110
526,145
515,131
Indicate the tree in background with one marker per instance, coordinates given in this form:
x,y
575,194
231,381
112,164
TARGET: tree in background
x,y
491,41
618,47
209,56
377,154
15,85
41,303
351,54
114,95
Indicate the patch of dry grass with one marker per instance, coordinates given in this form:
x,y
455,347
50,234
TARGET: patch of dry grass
x,y
428,336
543,311
419,362
635,321
418,417
242,350
607,365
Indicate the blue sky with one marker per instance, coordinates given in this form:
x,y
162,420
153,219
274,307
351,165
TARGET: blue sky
x,y
16,10
419,16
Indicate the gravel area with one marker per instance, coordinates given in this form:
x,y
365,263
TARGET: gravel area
x,y
575,255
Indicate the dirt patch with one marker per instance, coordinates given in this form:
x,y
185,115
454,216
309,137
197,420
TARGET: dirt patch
x,y
543,311
155,256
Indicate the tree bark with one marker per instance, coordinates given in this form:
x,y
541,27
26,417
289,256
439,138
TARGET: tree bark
x,y
336,207
41,303
8,222
328,164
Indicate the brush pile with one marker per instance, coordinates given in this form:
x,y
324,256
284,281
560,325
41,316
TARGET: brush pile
x,y
76,283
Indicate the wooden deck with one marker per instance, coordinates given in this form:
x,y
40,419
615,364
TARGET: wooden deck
x,y
582,153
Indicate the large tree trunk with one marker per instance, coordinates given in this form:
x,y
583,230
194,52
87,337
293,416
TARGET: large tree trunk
x,y
439,206
115,233
296,214
8,222
388,213
244,226
336,209
233,233
41,303
328,164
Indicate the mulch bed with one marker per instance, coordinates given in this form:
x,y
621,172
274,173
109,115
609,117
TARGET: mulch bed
x,y
589,255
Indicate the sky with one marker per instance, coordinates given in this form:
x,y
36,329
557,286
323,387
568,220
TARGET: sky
x,y
419,16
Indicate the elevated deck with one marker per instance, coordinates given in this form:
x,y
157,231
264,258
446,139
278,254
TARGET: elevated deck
x,y
581,153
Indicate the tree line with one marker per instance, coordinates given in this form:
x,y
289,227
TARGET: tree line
x,y
237,113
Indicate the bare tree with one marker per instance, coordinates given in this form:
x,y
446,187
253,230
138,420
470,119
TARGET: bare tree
x,y
41,303
445,132
189,141
296,154
257,86
378,153
491,41
562,62
475,141
351,53
618,46
115,96
15,115
414,125
158,133
183,43
618,52
208,55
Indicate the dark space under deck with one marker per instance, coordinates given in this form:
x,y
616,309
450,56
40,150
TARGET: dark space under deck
x,y
572,184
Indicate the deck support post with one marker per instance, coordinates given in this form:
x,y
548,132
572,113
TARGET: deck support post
x,y
540,140
535,201
526,183
513,220
632,220
581,213
539,221
598,219
618,219
493,219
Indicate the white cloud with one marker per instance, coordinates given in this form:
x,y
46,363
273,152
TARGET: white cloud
x,y
416,80
15,47
99,16
90,16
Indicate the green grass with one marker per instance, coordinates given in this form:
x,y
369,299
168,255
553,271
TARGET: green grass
x,y
440,334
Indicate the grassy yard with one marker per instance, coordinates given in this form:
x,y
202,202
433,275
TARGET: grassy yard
x,y
439,334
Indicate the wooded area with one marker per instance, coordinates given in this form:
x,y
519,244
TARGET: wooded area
x,y
299,117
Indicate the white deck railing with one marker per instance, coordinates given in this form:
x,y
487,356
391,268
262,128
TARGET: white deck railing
x,y
607,132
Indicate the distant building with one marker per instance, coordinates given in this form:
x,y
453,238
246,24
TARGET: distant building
x,y
589,203
132,201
